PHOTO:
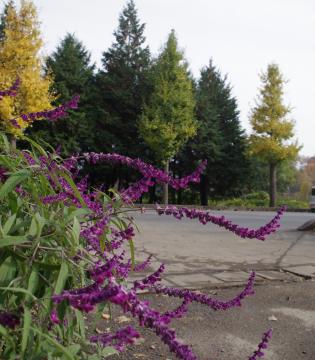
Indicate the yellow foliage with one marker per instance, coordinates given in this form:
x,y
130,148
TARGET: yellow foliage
x,y
271,128
20,58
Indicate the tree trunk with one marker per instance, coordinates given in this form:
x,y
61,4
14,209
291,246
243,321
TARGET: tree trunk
x,y
173,196
152,198
203,190
13,142
179,196
165,186
272,185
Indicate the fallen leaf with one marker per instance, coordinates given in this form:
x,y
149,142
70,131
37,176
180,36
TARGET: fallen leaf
x,y
122,319
272,318
105,316
138,356
139,341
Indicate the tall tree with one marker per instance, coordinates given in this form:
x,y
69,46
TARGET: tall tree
x,y
233,167
73,73
124,84
271,128
219,138
19,57
3,17
168,119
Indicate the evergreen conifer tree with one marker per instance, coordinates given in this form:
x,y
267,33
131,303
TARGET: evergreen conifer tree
x,y
124,84
219,138
73,73
233,166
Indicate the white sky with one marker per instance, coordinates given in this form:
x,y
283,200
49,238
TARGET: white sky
x,y
242,37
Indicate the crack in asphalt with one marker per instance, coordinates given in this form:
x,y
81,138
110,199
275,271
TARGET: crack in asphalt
x,y
292,245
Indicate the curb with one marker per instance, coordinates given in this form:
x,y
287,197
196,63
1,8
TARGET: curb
x,y
231,208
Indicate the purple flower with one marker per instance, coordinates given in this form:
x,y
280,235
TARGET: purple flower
x,y
52,114
262,346
118,340
12,90
54,317
205,217
9,319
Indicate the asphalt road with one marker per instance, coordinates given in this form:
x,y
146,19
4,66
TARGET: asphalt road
x,y
290,220
197,255
233,335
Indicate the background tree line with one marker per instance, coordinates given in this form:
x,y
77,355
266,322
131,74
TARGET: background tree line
x,y
149,107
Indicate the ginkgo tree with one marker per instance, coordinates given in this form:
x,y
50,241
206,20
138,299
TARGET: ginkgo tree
x,y
272,129
168,119
20,57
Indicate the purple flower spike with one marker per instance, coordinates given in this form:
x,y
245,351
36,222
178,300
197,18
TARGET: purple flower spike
x,y
205,299
12,90
262,346
148,171
52,114
8,319
119,340
54,317
205,217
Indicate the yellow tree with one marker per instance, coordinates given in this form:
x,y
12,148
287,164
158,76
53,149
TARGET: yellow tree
x,y
272,130
20,58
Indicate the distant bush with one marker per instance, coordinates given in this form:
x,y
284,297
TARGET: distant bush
x,y
256,200
258,195
294,204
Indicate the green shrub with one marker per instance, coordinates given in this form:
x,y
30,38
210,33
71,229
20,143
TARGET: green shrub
x,y
258,195
39,243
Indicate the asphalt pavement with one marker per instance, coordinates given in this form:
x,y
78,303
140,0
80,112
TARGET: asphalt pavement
x,y
211,260
200,256
288,308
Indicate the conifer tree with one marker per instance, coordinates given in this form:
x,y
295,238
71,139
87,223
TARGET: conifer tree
x,y
20,58
233,166
168,119
124,84
73,73
272,129
219,138
208,141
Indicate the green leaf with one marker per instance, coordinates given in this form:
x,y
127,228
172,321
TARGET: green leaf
x,y
18,290
33,228
132,253
33,281
74,349
73,187
77,213
109,351
13,240
55,343
7,271
9,223
12,182
62,278
37,224
76,229
37,146
81,323
27,319
6,335
5,142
